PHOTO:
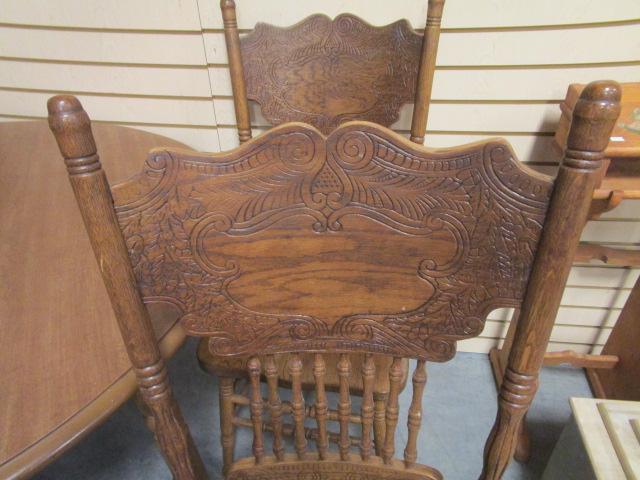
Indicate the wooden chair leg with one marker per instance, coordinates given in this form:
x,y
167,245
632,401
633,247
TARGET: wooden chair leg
x,y
227,430
145,411
516,394
379,426
151,415
167,423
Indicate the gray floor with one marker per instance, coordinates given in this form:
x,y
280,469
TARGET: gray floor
x,y
459,408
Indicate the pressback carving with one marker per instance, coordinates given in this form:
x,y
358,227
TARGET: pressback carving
x,y
331,469
325,72
269,247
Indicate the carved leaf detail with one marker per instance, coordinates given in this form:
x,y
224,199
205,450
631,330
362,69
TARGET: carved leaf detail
x,y
476,200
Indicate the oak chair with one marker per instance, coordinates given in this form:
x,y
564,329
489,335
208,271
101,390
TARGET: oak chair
x,y
357,242
325,72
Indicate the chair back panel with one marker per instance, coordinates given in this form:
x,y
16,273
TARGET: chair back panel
x,y
360,241
325,72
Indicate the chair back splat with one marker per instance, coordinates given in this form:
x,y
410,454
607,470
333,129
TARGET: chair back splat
x,y
326,71
316,256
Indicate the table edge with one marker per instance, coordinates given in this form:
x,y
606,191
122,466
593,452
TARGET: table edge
x,y
41,453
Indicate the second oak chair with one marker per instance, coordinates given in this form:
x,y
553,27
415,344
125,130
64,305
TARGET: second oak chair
x,y
324,72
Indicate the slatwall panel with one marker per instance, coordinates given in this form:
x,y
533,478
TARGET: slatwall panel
x,y
502,69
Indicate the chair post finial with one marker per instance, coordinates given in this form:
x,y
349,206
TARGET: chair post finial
x,y
594,116
71,127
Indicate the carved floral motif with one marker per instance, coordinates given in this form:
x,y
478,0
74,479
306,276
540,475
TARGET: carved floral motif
x,y
478,195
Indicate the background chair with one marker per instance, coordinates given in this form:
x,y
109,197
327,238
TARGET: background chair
x,y
231,239
325,72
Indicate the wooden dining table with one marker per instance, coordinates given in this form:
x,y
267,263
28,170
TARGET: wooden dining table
x,y
63,364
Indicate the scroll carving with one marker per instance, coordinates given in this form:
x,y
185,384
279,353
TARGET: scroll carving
x,y
325,72
475,211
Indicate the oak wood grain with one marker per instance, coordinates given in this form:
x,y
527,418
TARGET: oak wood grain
x,y
594,116
494,234
45,257
350,215
325,71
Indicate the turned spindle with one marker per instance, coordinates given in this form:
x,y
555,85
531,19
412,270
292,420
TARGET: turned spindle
x,y
321,406
254,368
393,409
366,410
275,406
414,417
297,404
344,405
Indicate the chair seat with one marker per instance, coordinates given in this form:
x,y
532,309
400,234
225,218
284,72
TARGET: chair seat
x,y
331,468
237,367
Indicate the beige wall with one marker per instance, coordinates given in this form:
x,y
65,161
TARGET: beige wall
x,y
503,67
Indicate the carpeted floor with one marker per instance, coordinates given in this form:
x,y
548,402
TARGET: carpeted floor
x,y
459,408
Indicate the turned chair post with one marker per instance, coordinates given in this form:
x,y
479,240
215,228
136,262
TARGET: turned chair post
x,y
72,129
593,119
426,71
236,69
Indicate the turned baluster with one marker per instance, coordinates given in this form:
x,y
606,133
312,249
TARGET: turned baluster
x,y
253,366
393,408
594,116
227,429
319,371
71,127
275,406
344,405
366,411
414,418
236,69
426,71
297,404
379,407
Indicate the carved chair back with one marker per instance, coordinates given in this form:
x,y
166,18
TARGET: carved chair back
x,y
325,72
359,241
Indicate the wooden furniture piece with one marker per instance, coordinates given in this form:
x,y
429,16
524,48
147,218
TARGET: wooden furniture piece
x,y
622,382
230,370
607,429
356,242
620,173
618,179
63,365
325,72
